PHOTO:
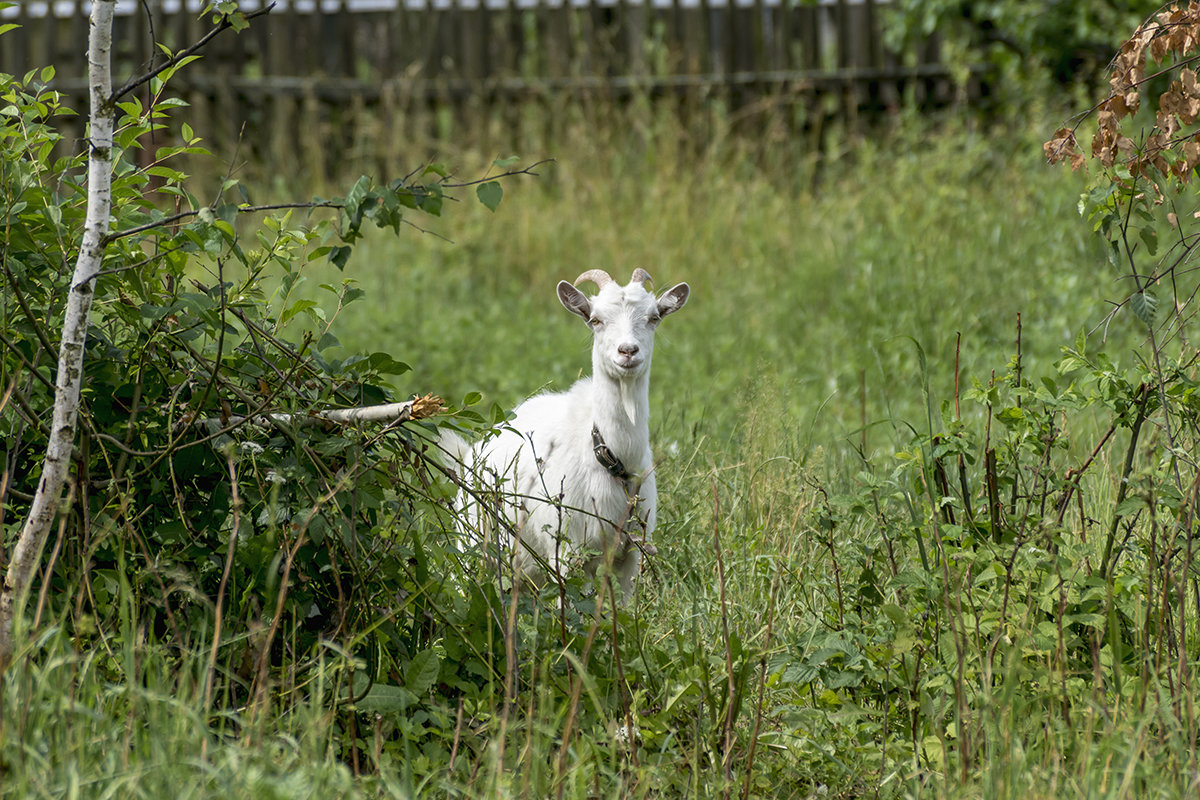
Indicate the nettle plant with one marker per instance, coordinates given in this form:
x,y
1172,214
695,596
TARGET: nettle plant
x,y
1049,552
999,578
211,485
1029,557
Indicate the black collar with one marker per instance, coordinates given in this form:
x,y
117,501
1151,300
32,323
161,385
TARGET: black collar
x,y
607,458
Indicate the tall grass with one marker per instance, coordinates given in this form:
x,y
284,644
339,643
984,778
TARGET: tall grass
x,y
808,287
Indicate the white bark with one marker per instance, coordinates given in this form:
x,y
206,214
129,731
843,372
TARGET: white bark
x,y
47,499
417,408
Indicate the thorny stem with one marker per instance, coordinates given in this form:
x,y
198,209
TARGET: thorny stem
x,y
1077,475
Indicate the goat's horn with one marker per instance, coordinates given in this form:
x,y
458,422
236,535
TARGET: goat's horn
x,y
596,276
641,276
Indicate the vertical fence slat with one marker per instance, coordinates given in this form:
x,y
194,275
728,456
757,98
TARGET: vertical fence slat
x,y
471,63
49,41
558,35
634,21
16,57
691,33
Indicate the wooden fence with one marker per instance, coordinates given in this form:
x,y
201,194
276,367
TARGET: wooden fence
x,y
424,68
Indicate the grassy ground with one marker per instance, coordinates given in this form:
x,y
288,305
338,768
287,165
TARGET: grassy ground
x,y
793,638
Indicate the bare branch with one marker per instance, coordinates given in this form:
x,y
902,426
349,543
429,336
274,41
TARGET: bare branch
x,y
182,215
417,408
249,209
509,174
222,26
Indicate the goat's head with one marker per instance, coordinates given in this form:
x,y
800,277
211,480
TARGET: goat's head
x,y
622,319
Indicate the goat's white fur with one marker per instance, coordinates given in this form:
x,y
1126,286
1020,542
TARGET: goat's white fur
x,y
539,477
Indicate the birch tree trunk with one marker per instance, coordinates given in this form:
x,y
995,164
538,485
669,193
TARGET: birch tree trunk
x,y
47,498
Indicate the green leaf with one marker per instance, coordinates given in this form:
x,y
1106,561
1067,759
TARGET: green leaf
x,y
1149,237
384,363
895,613
338,256
490,194
170,532
505,163
422,672
384,698
227,213
357,192
166,173
353,208
1011,415
1130,505
1145,306
298,307
431,201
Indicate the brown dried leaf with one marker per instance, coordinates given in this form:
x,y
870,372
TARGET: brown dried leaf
x,y
1185,166
1063,147
1160,47
1102,148
1173,33
427,406
1160,163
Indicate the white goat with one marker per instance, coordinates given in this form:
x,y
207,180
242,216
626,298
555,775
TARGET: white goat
x,y
573,470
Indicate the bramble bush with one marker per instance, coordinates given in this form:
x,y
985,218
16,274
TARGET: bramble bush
x,y
208,501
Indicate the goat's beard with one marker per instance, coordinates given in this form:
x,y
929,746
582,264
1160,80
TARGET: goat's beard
x,y
628,402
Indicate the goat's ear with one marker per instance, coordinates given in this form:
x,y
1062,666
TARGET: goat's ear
x,y
673,299
574,300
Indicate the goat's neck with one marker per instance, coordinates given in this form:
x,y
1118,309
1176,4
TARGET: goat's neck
x,y
621,410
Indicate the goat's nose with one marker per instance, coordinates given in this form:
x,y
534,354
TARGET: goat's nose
x,y
627,349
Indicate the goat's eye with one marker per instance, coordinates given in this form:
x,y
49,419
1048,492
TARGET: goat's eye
x,y
654,319
595,322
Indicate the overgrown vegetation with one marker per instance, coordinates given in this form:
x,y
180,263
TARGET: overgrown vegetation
x,y
910,543
1069,43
